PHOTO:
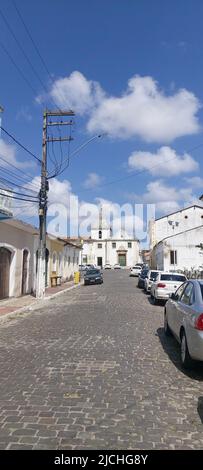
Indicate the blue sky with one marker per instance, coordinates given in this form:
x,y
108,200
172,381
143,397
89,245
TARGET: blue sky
x,y
131,68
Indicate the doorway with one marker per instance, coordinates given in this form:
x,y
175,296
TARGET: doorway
x,y
99,261
122,259
5,261
24,272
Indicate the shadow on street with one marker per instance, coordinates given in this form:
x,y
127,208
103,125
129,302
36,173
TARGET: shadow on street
x,y
172,349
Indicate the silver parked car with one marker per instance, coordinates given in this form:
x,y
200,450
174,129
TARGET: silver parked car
x,y
183,317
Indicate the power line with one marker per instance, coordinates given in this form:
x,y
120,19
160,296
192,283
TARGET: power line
x,y
3,158
35,47
21,48
14,197
74,153
21,194
139,172
18,69
21,145
32,40
22,180
17,185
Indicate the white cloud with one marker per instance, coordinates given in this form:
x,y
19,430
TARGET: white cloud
x,y
166,162
77,93
143,110
93,181
8,153
195,182
59,193
166,198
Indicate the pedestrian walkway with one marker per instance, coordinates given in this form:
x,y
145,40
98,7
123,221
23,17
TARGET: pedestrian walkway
x,y
12,305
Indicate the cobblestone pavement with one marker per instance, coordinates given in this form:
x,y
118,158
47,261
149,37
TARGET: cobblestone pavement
x,y
93,370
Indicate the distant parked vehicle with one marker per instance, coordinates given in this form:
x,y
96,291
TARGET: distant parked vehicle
x,y
135,270
165,284
83,267
151,277
183,318
107,266
142,277
93,276
117,266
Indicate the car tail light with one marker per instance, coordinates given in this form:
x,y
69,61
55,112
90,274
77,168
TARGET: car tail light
x,y
199,322
160,284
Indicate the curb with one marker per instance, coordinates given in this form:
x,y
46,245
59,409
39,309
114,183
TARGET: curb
x,y
31,307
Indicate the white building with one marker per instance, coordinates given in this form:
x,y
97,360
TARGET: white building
x,y
175,240
102,247
19,243
17,263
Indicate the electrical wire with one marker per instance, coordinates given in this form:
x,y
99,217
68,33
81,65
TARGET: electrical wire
x,y
5,180
14,197
15,192
20,145
3,158
118,180
54,162
23,181
18,69
32,40
24,53
21,49
67,160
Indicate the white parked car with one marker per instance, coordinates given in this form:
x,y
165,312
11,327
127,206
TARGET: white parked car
x,y
165,284
107,266
151,277
136,270
117,266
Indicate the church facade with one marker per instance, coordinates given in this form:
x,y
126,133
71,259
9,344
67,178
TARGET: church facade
x,y
103,248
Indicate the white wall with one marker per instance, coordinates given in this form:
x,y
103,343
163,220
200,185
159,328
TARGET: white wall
x,y
16,241
188,255
71,261
109,254
186,218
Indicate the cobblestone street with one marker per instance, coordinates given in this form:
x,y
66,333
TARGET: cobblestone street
x,y
93,370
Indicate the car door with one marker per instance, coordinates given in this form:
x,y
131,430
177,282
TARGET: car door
x,y
184,307
172,307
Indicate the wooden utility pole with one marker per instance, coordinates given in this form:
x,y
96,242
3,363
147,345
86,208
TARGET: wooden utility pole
x,y
41,258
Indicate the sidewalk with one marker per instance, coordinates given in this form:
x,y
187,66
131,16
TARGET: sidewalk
x,y
29,302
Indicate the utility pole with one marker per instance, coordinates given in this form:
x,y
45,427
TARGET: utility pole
x,y
41,259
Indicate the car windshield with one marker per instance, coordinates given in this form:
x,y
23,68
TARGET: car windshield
x,y
153,275
173,277
93,271
144,272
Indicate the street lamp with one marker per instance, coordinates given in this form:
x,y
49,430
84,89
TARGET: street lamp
x,y
173,224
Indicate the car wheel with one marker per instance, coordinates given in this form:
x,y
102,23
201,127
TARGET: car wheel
x,y
167,330
154,300
186,360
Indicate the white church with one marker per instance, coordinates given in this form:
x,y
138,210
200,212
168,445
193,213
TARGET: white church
x,y
102,247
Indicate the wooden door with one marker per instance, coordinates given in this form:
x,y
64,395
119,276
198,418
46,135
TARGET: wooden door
x,y
122,259
5,260
24,272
